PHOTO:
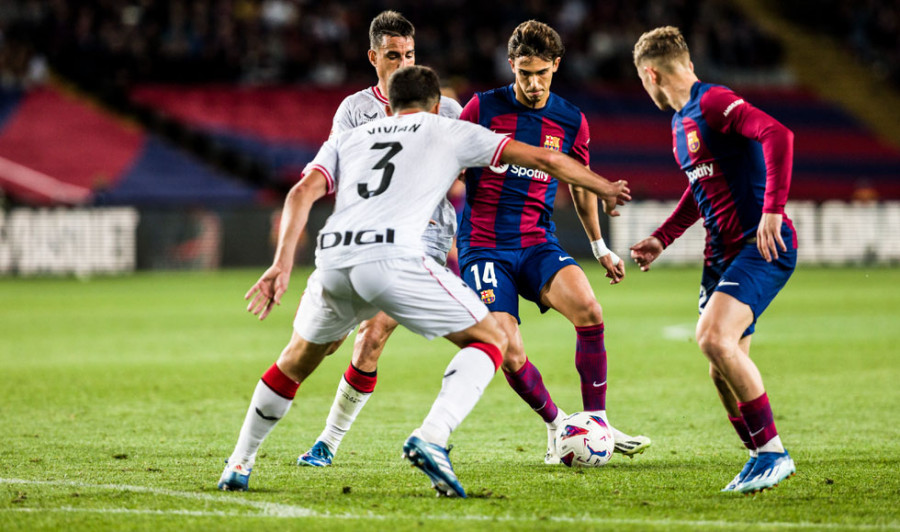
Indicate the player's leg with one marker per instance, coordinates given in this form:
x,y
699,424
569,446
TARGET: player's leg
x,y
491,274
730,403
525,379
569,292
465,379
719,332
429,300
320,326
271,400
354,389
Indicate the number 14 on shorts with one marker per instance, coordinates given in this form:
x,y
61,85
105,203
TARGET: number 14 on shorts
x,y
487,277
484,279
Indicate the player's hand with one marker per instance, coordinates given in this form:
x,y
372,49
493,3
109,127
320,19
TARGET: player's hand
x,y
646,251
768,236
615,267
617,194
267,291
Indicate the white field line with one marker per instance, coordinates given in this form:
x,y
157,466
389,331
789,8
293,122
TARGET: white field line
x,y
287,511
680,332
267,508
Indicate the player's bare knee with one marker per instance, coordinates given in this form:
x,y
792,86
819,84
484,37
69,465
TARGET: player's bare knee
x,y
373,333
300,358
588,314
514,357
491,331
501,340
714,345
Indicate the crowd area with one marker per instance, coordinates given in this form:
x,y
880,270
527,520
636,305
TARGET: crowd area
x,y
869,28
324,41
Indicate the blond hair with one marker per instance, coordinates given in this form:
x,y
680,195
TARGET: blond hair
x,y
665,44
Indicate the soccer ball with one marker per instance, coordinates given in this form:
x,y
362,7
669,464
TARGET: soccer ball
x,y
584,439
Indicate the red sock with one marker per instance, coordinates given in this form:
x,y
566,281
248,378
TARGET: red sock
x,y
361,381
743,433
760,421
590,361
280,383
491,350
528,383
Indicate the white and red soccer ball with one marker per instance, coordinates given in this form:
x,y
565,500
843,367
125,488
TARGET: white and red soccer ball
x,y
584,439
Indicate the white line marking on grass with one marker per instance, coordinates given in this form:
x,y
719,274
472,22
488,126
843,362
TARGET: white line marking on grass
x,y
72,509
268,508
680,332
287,511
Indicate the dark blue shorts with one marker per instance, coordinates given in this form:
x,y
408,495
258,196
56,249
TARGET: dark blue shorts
x,y
749,279
500,276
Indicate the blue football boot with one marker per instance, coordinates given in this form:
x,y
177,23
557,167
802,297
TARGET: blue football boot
x,y
434,461
235,478
318,456
767,472
741,476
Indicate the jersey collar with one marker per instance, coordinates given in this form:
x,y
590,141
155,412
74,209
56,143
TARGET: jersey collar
x,y
378,95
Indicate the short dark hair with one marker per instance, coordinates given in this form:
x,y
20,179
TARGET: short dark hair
x,y
413,86
535,39
389,23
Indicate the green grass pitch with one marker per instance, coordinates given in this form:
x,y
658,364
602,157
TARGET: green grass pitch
x,y
121,398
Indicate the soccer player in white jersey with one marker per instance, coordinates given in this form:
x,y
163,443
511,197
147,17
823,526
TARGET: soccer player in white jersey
x,y
388,176
392,46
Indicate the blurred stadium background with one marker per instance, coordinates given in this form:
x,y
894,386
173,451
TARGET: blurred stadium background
x,y
141,134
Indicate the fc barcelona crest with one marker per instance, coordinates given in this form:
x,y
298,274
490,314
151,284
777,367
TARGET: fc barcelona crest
x,y
487,296
693,141
551,142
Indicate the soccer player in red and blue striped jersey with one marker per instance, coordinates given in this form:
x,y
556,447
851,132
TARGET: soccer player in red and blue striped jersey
x,y
738,161
507,246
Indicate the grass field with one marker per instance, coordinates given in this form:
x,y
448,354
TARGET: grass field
x,y
122,397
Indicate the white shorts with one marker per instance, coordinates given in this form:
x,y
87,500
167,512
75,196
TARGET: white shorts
x,y
421,295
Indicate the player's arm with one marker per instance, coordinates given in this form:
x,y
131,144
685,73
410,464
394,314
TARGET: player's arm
x,y
729,113
684,216
568,170
585,203
586,208
267,291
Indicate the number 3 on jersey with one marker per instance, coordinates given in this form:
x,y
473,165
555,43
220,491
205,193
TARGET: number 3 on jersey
x,y
488,277
383,164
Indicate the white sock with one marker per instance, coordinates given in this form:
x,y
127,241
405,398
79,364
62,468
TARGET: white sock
x,y
348,402
266,403
560,415
772,446
553,426
465,379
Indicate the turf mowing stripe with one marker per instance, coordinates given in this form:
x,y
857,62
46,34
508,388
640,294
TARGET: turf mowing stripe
x,y
288,511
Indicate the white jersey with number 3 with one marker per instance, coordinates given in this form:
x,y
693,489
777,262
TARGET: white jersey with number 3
x,y
370,104
388,176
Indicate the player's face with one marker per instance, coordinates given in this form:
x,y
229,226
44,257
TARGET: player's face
x,y
392,54
649,79
533,77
